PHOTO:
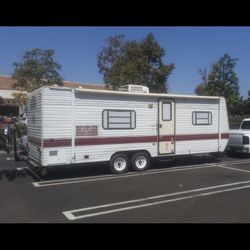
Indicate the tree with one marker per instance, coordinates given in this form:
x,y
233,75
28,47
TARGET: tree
x,y
201,89
20,97
37,69
247,104
132,62
222,81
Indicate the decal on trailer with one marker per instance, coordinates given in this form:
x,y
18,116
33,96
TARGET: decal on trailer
x,y
87,130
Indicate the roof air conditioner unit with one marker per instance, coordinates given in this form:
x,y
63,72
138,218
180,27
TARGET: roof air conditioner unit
x,y
134,88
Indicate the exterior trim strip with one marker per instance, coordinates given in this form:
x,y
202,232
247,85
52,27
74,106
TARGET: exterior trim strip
x,y
64,142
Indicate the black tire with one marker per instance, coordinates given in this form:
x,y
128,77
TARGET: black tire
x,y
140,161
119,164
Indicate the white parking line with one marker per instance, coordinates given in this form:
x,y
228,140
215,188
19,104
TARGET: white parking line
x,y
21,169
110,177
235,169
236,162
10,158
70,214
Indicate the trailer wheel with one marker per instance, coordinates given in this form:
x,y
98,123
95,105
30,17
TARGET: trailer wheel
x,y
140,161
119,164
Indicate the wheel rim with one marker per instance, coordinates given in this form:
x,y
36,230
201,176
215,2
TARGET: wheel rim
x,y
141,162
120,164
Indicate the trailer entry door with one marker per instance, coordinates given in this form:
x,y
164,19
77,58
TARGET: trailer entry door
x,y
166,122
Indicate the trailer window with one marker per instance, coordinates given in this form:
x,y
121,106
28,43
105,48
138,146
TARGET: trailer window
x,y
118,119
201,118
166,111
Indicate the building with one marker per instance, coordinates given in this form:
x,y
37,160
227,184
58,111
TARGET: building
x,y
8,105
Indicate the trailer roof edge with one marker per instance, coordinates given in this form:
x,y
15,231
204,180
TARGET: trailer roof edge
x,y
112,92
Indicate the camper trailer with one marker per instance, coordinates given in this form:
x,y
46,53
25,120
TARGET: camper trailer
x,y
125,128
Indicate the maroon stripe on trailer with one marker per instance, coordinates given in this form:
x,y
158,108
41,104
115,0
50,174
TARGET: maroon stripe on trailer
x,y
196,137
114,140
35,141
48,143
167,138
192,137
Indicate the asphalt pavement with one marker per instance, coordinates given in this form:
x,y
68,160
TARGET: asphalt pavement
x,y
185,190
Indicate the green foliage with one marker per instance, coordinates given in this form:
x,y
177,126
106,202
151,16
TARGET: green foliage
x,y
20,97
37,69
202,89
246,104
235,120
21,129
222,81
132,62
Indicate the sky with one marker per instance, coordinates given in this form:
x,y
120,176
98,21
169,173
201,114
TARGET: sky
x,y
76,49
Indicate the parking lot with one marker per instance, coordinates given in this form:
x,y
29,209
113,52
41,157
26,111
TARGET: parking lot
x,y
191,189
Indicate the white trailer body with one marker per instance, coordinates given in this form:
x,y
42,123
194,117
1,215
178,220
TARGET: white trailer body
x,y
70,126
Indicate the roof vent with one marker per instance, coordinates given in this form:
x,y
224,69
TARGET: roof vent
x,y
134,88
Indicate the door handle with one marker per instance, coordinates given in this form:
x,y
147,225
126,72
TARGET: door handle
x,y
160,125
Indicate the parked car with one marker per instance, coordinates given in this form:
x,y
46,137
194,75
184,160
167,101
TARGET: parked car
x,y
239,139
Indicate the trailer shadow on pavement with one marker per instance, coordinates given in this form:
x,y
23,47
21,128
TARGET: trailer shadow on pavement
x,y
11,175
11,170
97,169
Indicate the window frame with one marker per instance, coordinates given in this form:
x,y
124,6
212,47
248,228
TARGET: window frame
x,y
118,110
194,118
166,102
